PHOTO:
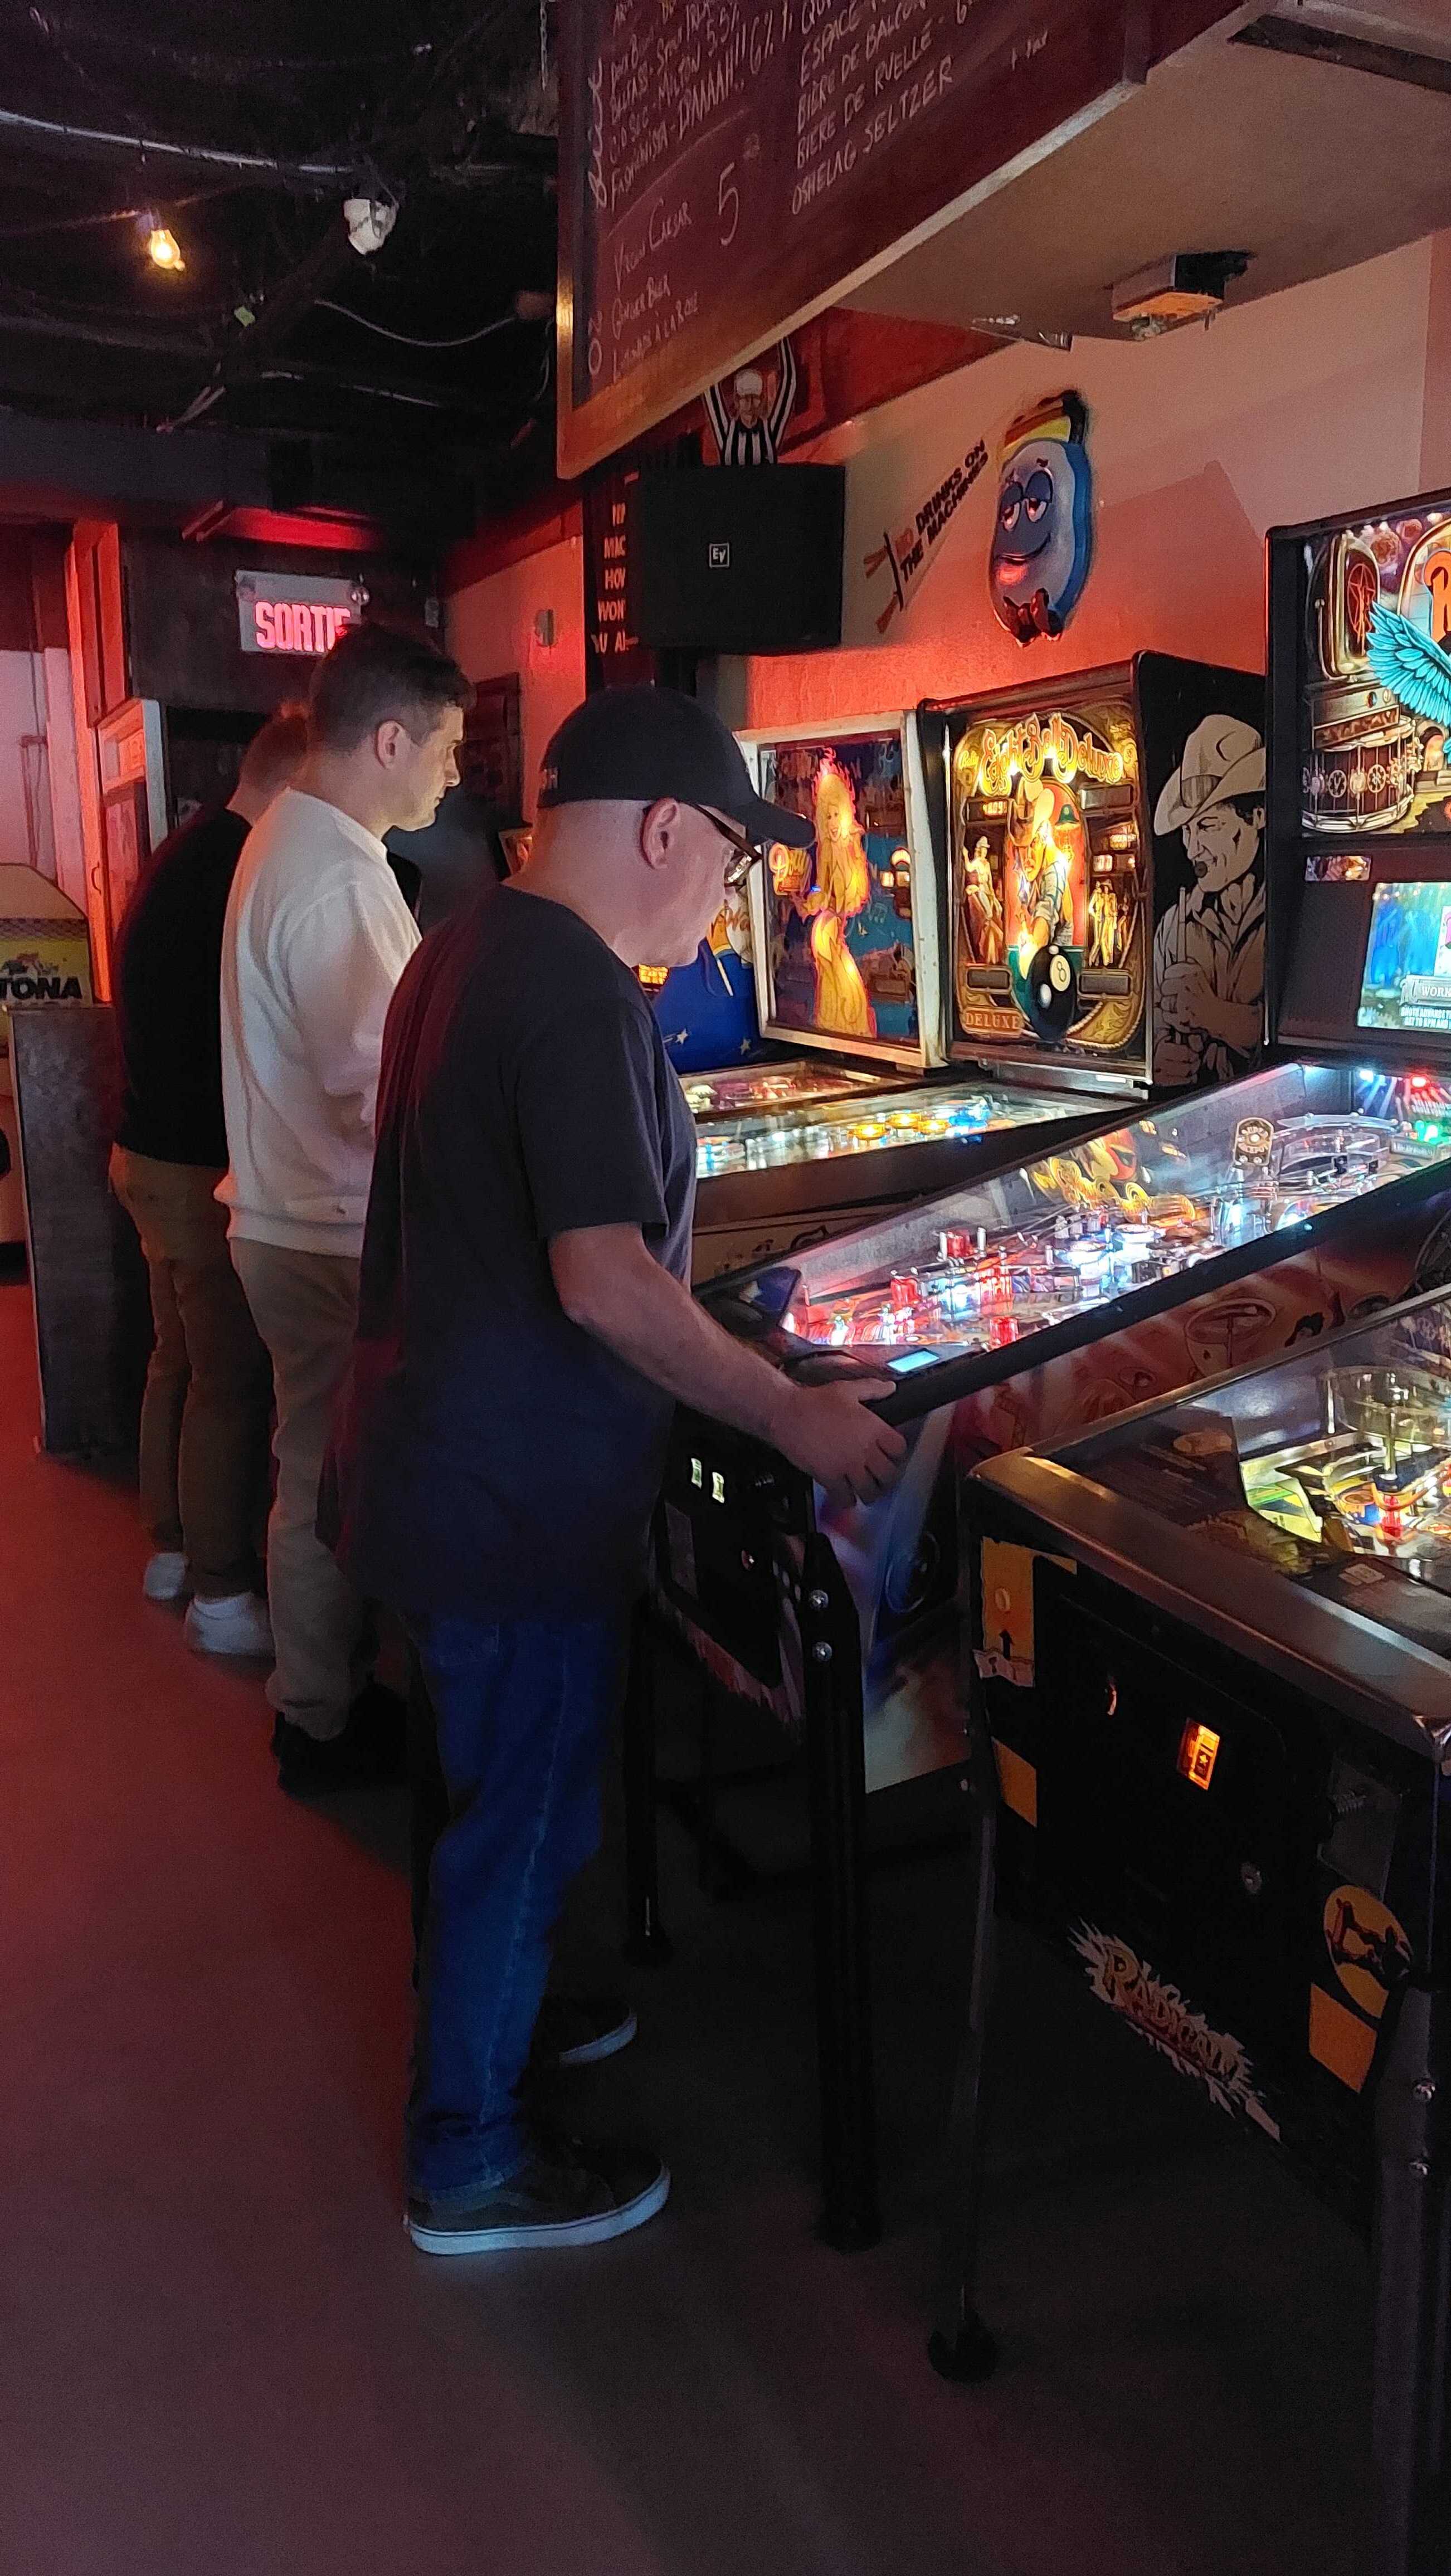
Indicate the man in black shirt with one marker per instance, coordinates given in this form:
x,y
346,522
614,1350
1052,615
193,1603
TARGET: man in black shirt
x,y
524,1330
204,1415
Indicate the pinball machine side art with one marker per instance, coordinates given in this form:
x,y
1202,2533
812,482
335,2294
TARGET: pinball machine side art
x,y
1209,943
1171,2025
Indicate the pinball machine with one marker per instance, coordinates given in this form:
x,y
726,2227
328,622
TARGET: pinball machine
x,y
1001,921
1259,1213
1210,1700
1260,1570
843,944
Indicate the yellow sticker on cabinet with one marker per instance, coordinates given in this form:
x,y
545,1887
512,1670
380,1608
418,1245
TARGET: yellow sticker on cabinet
x,y
1368,1948
1339,2039
1017,1781
1006,1652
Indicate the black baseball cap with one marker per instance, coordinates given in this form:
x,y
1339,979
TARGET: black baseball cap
x,y
630,746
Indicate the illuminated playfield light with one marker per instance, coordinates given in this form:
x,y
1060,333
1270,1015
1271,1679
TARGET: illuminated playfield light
x,y
163,249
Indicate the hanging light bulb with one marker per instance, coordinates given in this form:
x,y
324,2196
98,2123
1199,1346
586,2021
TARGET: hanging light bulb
x,y
162,247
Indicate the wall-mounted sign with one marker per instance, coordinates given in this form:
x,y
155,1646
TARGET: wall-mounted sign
x,y
613,654
303,613
1042,543
908,554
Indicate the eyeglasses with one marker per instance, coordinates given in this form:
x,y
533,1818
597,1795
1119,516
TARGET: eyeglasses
x,y
744,853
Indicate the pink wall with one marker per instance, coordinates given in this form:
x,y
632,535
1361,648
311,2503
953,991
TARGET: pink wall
x,y
1322,398
1327,397
491,631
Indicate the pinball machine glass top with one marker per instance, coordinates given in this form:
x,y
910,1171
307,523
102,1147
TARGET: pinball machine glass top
x,y
1052,1238
818,1131
1331,1467
755,1090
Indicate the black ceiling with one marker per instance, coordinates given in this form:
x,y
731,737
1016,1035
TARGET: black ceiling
x,y
243,129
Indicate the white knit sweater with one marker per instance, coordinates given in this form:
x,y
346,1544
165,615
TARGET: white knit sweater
x,y
317,936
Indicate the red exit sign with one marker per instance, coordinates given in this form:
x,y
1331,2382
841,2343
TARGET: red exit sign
x,y
300,613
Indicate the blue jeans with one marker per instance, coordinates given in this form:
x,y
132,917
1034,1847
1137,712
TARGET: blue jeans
x,y
523,1709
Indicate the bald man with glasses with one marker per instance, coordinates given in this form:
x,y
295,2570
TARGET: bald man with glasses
x,y
524,1330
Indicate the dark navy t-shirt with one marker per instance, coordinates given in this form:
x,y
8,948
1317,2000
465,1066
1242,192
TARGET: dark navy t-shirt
x,y
168,995
490,1457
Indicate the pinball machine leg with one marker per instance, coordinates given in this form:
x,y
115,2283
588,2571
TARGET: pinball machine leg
x,y
960,2346
836,1769
646,1943
1412,2315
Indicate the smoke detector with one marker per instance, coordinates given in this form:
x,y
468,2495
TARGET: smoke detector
x,y
1187,286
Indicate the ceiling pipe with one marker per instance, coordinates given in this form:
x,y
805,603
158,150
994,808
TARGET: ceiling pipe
x,y
95,143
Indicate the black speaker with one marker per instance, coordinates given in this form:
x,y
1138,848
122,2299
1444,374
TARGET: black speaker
x,y
737,558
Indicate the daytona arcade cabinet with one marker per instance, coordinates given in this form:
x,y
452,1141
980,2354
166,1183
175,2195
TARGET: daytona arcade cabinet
x,y
1210,1701
1259,1213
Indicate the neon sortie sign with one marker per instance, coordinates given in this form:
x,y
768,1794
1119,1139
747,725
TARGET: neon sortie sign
x,y
297,626
1026,749
296,612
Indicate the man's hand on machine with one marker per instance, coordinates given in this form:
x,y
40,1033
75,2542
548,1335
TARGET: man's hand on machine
x,y
831,1434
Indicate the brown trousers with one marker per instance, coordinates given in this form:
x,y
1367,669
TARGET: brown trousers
x,y
203,1466
305,1305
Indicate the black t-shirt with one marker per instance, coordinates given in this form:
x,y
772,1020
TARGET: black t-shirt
x,y
490,1458
168,995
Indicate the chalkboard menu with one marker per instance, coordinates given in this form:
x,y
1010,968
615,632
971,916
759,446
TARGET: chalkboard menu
x,y
732,165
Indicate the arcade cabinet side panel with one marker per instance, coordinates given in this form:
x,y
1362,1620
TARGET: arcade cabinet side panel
x,y
1203,773
88,1280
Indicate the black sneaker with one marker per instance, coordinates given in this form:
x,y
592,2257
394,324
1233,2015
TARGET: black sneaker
x,y
566,2195
379,1719
363,1756
579,2030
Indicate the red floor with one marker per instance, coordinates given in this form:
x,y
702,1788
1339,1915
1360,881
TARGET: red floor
x,y
219,2356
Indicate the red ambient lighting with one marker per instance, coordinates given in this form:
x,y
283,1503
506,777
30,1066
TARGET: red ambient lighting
x,y
296,626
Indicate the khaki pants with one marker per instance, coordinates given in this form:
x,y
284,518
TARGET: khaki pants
x,y
203,1467
305,1306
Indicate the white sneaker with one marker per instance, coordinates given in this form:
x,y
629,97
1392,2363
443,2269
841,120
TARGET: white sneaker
x,y
166,1577
236,1626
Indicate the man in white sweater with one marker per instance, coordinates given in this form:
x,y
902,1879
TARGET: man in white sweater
x,y
317,935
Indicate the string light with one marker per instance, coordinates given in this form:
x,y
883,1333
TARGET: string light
x,y
162,247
